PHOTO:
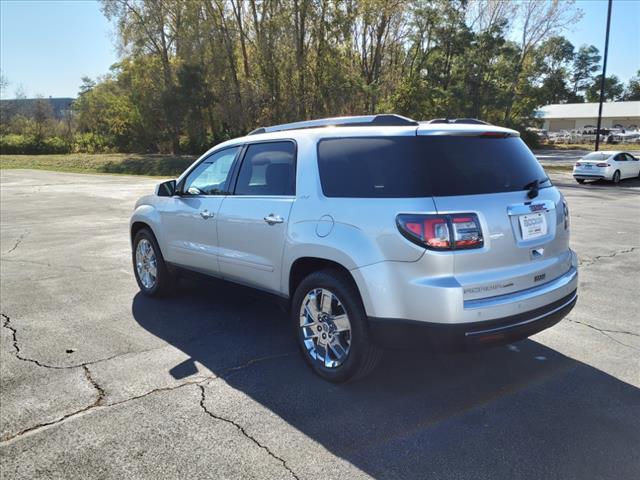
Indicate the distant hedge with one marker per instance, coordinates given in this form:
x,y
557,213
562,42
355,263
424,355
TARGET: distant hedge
x,y
29,145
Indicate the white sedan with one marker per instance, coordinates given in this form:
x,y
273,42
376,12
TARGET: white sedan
x,y
613,166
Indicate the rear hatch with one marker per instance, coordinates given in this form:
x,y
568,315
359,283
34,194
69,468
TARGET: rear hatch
x,y
495,176
593,164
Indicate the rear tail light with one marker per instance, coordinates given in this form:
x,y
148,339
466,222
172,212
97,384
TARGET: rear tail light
x,y
442,232
603,165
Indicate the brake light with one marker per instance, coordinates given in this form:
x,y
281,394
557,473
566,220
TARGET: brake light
x,y
442,232
494,134
603,165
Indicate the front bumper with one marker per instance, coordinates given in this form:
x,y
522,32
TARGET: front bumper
x,y
400,333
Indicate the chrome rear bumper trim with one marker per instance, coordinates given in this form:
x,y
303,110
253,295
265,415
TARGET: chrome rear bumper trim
x,y
522,295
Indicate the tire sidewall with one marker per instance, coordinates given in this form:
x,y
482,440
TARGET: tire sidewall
x,y
616,176
147,235
352,304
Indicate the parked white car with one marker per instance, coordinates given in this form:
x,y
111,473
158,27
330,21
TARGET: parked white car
x,y
613,166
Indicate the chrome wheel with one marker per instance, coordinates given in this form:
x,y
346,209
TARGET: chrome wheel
x,y
325,328
146,264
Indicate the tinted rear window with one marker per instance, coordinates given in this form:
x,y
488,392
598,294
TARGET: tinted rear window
x,y
379,167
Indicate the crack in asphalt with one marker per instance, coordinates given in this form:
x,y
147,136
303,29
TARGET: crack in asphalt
x,y
47,264
14,338
101,393
606,332
18,242
244,432
588,262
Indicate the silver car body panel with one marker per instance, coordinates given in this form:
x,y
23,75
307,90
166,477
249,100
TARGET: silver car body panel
x,y
397,279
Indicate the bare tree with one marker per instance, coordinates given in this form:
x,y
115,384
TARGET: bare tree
x,y
539,20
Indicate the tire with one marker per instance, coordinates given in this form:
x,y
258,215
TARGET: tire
x,y
164,281
616,176
580,180
361,355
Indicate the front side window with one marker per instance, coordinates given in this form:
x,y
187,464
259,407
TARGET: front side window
x,y
268,169
211,177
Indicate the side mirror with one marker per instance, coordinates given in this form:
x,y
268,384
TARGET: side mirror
x,y
166,189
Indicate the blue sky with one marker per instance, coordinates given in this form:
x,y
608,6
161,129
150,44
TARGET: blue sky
x,y
47,46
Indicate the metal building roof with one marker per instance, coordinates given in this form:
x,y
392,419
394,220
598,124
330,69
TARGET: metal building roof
x,y
590,110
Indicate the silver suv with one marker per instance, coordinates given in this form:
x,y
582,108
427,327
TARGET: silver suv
x,y
379,231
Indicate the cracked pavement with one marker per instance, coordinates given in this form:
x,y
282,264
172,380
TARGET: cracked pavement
x,y
100,382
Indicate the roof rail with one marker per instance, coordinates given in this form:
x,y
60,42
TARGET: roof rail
x,y
470,121
356,121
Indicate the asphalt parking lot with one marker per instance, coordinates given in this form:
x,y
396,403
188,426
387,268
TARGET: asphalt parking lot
x,y
100,382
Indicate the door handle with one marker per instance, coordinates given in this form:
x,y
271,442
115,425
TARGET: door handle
x,y
206,215
272,219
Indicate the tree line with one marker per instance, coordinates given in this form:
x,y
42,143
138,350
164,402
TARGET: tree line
x,y
193,73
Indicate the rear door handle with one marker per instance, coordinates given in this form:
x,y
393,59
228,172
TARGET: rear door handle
x,y
206,215
272,219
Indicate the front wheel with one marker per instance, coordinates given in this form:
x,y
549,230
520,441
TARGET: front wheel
x,y
152,275
580,180
616,176
331,327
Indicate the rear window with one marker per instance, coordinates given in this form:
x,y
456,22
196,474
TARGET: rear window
x,y
596,156
386,167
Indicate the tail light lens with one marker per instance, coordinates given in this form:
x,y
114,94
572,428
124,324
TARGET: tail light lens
x,y
603,165
442,232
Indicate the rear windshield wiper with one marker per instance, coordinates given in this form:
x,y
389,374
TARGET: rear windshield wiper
x,y
532,188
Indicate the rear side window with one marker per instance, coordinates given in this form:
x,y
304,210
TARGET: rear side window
x,y
373,167
268,169
379,167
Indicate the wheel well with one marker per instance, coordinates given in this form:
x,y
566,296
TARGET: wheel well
x,y
307,265
136,227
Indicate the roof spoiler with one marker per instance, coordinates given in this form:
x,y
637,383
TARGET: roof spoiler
x,y
468,121
382,120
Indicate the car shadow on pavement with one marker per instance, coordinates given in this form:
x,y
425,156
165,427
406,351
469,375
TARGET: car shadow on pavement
x,y
518,411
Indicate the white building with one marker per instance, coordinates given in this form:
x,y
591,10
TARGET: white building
x,y
569,116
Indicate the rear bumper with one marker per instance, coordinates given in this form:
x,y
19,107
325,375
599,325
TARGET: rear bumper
x,y
400,333
584,176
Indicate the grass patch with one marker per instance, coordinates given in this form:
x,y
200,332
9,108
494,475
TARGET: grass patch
x,y
119,163
558,168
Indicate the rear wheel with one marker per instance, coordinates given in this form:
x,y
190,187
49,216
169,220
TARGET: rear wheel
x,y
580,180
331,327
152,275
616,176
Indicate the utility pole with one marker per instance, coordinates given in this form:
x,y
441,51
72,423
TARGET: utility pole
x,y
604,74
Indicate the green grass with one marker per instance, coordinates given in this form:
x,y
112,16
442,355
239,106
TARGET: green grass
x,y
558,168
126,163
119,163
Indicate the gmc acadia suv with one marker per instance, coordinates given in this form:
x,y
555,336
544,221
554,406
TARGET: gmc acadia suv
x,y
379,231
